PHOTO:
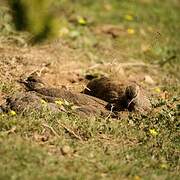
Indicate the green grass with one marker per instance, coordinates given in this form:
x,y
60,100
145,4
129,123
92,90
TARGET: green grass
x,y
31,147
109,148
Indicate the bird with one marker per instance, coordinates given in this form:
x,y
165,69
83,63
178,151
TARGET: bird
x,y
86,104
105,89
120,95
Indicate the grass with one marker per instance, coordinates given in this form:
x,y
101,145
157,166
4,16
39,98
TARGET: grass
x,y
110,149
136,147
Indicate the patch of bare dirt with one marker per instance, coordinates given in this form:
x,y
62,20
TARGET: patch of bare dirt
x,y
61,66
113,30
2,98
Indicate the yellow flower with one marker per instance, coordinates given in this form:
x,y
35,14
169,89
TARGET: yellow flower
x,y
82,21
164,166
13,113
153,132
59,102
43,101
128,17
130,31
157,90
137,178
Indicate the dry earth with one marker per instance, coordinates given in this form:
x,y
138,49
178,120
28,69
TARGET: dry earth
x,y
61,66
64,66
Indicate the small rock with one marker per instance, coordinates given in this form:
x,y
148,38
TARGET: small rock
x,y
43,138
148,80
144,47
91,155
66,150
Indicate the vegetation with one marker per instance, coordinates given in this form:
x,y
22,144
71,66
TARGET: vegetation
x,y
36,17
62,146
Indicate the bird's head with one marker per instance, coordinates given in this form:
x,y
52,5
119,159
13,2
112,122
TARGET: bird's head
x,y
132,91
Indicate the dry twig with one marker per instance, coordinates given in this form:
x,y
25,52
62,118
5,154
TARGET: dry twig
x,y
52,130
70,131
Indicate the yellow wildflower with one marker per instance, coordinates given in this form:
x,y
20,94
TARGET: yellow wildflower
x,y
137,178
59,102
82,21
13,113
153,132
43,101
157,90
130,31
128,17
164,166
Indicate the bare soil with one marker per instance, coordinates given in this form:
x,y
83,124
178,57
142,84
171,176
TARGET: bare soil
x,y
58,66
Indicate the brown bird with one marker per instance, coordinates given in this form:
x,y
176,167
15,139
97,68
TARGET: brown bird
x,y
105,88
85,103
120,95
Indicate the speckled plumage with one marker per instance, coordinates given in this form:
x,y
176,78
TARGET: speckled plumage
x,y
120,95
